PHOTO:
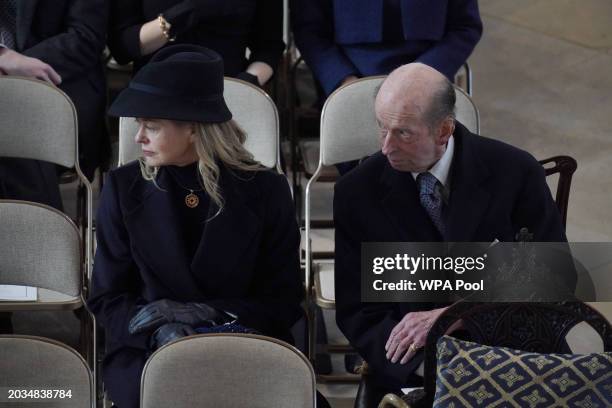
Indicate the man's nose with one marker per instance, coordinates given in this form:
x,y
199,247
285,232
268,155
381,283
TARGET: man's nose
x,y
388,143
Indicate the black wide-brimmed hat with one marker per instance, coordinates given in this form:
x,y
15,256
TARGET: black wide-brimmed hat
x,y
181,82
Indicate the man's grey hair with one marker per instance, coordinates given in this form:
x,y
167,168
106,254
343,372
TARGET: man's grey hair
x,y
442,104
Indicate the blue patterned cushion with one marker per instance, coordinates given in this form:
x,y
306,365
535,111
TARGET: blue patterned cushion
x,y
472,375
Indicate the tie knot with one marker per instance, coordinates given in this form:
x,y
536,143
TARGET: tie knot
x,y
427,183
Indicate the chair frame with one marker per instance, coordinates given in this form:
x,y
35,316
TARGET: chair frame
x,y
85,223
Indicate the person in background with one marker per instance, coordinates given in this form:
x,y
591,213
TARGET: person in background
x,y
60,42
138,28
342,40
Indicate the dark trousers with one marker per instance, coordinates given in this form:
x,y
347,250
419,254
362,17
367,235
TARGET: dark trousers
x,y
30,180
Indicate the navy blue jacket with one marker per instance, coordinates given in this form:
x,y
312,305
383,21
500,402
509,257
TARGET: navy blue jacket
x,y
339,38
247,262
496,189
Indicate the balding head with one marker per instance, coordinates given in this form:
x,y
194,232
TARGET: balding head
x,y
420,89
415,112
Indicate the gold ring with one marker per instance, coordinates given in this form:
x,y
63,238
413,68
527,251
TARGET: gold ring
x,y
413,348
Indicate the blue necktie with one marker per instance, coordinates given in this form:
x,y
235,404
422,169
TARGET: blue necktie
x,y
430,200
8,21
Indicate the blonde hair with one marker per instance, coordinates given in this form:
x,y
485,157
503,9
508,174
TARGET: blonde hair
x,y
215,141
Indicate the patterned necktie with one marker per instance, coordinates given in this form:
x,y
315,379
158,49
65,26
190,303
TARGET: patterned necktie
x,y
430,200
8,21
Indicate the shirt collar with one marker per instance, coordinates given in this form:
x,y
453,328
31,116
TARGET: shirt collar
x,y
441,169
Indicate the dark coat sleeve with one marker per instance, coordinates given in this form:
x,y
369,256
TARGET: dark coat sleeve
x,y
273,304
462,32
313,28
126,20
116,285
366,325
79,48
266,42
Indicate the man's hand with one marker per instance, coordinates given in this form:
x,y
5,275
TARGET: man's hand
x,y
409,335
14,63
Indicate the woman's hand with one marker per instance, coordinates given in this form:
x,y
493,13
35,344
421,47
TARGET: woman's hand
x,y
161,312
169,333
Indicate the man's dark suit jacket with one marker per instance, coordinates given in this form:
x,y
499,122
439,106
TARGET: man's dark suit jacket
x,y
496,189
70,36
247,262
339,38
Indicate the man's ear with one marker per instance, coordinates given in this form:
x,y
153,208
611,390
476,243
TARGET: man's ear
x,y
446,130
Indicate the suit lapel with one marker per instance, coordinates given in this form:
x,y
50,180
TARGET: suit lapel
x,y
469,197
25,15
403,208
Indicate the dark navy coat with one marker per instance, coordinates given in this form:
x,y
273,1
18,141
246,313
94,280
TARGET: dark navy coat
x,y
496,189
339,38
247,262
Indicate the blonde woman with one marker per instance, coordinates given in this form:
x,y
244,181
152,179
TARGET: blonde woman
x,y
196,234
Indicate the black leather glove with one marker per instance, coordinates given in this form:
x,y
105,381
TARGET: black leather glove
x,y
189,13
250,78
164,311
170,332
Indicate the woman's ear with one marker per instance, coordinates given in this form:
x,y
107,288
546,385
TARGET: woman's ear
x,y
193,132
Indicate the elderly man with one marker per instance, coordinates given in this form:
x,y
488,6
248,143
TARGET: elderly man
x,y
432,181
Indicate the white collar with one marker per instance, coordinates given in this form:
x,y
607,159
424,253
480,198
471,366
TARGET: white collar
x,y
441,169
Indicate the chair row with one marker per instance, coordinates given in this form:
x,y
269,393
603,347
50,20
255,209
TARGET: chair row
x,y
208,370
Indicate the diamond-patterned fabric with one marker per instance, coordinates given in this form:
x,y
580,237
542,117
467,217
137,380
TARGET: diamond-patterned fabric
x,y
430,199
472,375
8,21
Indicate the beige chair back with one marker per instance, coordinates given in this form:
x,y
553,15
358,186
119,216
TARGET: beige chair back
x,y
252,109
36,363
38,122
228,370
40,247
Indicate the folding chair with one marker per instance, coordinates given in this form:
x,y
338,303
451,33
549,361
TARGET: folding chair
x,y
252,109
39,122
228,370
55,374
40,247
348,132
